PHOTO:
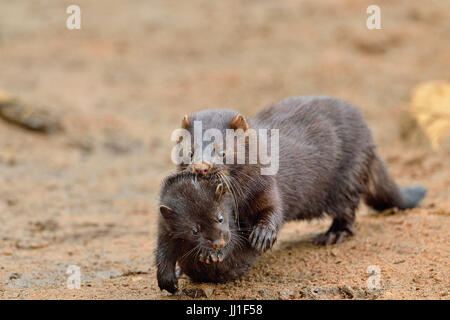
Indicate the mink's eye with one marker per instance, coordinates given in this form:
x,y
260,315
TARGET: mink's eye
x,y
221,153
194,231
220,218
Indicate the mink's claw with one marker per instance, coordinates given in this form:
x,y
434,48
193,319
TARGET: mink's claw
x,y
209,257
332,237
213,256
263,238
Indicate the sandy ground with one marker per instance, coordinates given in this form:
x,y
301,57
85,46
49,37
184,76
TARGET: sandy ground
x,y
88,196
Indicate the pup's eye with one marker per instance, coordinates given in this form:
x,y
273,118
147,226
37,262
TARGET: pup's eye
x,y
220,218
191,154
221,153
195,231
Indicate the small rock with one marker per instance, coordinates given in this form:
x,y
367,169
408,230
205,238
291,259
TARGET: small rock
x,y
263,292
11,202
200,291
30,244
136,279
430,107
310,293
28,116
47,225
286,294
347,291
14,276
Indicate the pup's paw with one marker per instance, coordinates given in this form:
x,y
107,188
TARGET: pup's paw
x,y
168,282
211,256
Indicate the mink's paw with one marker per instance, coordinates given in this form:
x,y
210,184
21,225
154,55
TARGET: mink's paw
x,y
263,237
168,282
332,237
208,257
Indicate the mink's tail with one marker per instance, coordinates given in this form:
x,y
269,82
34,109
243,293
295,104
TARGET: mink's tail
x,y
383,193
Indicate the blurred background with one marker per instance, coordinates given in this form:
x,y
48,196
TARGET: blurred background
x,y
86,193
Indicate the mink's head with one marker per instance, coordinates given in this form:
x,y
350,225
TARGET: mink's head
x,y
197,210
210,151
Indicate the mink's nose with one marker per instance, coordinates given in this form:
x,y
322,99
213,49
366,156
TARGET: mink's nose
x,y
218,244
201,168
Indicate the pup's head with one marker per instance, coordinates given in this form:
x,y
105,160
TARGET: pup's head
x,y
197,210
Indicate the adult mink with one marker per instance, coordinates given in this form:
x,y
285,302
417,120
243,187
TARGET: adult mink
x,y
327,163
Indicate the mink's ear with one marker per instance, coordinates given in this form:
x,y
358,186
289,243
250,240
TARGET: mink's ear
x,y
166,212
239,122
220,191
185,123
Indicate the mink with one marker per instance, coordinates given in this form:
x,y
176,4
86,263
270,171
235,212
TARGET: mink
x,y
328,162
198,231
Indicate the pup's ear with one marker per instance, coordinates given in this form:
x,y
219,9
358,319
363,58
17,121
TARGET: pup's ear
x,y
220,191
166,212
185,123
239,122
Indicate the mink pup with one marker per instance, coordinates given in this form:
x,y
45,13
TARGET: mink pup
x,y
197,229
327,163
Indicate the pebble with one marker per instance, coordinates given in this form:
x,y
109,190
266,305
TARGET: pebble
x,y
349,292
200,291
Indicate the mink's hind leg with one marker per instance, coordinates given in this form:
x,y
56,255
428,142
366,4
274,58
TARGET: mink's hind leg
x,y
341,228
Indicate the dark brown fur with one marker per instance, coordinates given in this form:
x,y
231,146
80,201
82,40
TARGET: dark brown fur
x,y
195,204
328,162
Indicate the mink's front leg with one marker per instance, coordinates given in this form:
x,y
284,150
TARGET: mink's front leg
x,y
269,218
264,234
166,259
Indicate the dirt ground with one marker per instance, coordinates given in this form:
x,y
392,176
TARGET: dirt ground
x,y
88,196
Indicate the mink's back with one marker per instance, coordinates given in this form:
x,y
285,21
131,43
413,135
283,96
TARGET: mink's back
x,y
325,152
